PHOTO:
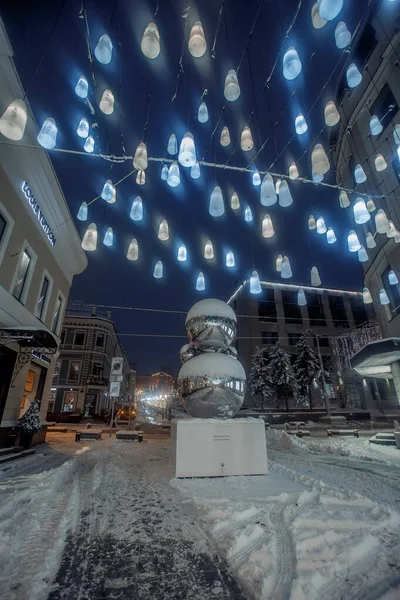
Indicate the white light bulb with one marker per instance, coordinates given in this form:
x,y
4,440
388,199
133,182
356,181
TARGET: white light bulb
x,y
103,50
136,213
108,237
230,259
82,87
255,285
182,253
83,212
83,128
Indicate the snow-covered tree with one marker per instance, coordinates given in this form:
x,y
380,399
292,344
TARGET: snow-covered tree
x,y
259,381
306,367
281,372
30,421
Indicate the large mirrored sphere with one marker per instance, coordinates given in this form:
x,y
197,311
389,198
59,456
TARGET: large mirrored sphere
x,y
211,324
187,352
212,386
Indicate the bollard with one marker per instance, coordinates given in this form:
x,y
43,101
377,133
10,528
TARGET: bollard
x,y
78,436
356,433
300,434
329,432
140,436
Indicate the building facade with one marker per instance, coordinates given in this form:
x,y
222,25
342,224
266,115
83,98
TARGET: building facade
x,y
81,382
40,253
376,52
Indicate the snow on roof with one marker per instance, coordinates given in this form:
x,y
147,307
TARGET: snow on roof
x,y
211,308
212,365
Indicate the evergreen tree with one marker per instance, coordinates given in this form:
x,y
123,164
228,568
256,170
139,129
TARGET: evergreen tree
x,y
306,367
30,421
282,377
259,381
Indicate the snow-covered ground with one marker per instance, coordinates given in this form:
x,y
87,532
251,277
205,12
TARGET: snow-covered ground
x,y
104,520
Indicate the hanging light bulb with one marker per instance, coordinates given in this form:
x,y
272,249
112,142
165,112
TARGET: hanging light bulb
x,y
312,224
108,189
114,197
13,120
285,197
164,173
278,186
187,151
329,9
317,178
330,236
202,115
375,125
208,250
248,215
300,124
319,160
200,282
301,298
344,199
315,278
108,239
197,42
230,259
103,50
140,158
381,222
174,177
353,75
392,277
195,171
83,128
321,225
106,103
353,241
293,171
246,139
380,163
286,269
163,231
278,263
182,253
83,212
317,21
367,298
89,145
232,89
370,241
82,87
342,35
255,285
235,202
225,137
89,242
150,43
172,147
361,214
133,250
291,64
383,297
396,135
267,227
362,255
371,206
141,177
158,270
332,116
256,179
216,207
268,192
136,213
47,136
392,230
359,174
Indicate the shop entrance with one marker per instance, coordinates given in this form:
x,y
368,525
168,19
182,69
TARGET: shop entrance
x,y
33,389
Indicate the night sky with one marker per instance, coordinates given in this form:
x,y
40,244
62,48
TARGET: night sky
x,y
49,42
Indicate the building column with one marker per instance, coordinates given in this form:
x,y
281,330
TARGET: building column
x,y
395,368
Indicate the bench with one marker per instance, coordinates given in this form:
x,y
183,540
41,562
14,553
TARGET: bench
x,y
344,432
88,434
130,436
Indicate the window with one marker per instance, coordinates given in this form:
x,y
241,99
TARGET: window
x,y
42,298
22,275
269,338
100,340
359,312
57,370
293,338
62,337
267,307
56,315
396,165
385,106
79,339
97,369
323,342
291,308
316,310
338,311
73,372
3,225
393,292
365,46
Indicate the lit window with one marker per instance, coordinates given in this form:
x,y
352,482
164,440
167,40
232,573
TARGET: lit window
x,y
74,368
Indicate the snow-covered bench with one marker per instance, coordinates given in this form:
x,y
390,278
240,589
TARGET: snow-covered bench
x,y
130,436
88,434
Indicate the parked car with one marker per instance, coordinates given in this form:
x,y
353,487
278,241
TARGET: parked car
x,y
123,413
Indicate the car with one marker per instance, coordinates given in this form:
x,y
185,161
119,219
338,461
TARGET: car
x,y
123,413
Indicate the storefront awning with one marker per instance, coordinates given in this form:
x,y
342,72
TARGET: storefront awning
x,y
375,358
29,337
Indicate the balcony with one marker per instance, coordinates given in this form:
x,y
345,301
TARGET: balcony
x,y
97,380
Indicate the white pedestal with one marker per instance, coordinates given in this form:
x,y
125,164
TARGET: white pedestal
x,y
215,448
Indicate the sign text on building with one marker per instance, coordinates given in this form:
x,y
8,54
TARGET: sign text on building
x,y
36,209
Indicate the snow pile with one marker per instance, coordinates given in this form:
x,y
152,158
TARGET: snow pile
x,y
212,366
276,438
211,308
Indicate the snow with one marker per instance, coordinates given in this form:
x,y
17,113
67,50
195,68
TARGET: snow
x,y
211,308
212,366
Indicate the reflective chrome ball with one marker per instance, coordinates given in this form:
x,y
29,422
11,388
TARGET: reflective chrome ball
x,y
212,386
187,352
211,324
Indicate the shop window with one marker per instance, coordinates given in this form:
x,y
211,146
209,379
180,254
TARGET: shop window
x,y
70,401
338,311
22,274
316,310
385,106
269,338
44,290
291,308
52,400
100,340
56,315
79,338
74,369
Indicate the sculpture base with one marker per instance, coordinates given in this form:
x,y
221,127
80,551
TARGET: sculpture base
x,y
219,448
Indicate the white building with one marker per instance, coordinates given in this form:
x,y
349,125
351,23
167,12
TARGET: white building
x,y
40,253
